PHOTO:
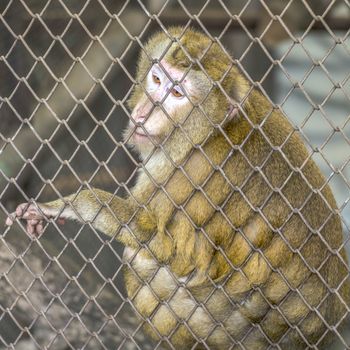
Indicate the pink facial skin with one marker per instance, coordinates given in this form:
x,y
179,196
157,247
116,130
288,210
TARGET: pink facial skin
x,y
150,120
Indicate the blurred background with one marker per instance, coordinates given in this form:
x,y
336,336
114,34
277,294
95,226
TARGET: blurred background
x,y
66,71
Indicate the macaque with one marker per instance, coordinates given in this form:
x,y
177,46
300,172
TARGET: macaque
x,y
232,236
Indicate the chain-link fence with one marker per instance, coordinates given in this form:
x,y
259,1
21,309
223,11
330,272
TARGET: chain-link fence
x,y
233,238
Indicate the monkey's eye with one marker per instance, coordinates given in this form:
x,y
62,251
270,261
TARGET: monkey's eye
x,y
156,79
176,92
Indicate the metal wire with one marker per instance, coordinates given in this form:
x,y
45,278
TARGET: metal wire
x,y
61,116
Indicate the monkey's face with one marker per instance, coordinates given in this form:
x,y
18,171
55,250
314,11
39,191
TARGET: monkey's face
x,y
167,100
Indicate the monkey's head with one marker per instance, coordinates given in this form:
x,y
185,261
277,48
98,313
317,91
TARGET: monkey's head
x,y
186,86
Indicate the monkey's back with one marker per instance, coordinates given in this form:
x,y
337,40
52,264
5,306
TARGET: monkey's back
x,y
255,252
296,240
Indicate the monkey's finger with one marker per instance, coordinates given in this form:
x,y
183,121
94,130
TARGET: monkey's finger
x,y
33,222
16,214
32,214
26,209
39,228
10,219
30,229
19,210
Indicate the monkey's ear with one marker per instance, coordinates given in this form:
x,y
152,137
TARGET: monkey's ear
x,y
237,92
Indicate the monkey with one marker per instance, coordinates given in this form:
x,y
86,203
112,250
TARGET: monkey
x,y
232,236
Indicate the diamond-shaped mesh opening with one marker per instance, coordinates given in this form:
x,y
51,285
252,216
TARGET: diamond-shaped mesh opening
x,y
192,190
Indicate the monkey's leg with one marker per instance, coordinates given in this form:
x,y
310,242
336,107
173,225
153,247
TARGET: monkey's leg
x,y
104,211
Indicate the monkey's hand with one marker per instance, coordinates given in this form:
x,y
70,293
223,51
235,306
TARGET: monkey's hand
x,y
102,210
35,216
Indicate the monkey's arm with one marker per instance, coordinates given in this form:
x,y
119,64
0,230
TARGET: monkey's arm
x,y
103,210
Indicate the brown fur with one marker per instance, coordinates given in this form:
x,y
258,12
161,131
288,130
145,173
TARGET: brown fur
x,y
242,240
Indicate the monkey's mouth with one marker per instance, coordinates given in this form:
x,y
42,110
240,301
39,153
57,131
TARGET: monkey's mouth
x,y
140,136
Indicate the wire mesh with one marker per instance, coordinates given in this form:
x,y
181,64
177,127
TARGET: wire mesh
x,y
221,253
